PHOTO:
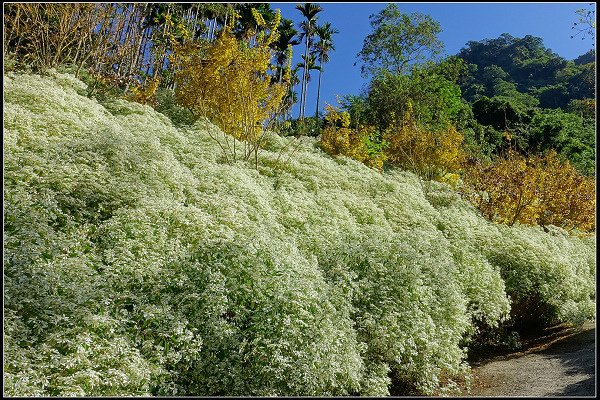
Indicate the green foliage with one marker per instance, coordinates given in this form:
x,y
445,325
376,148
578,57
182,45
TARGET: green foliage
x,y
356,107
507,115
553,96
582,84
569,134
509,91
309,126
138,264
501,112
513,82
523,66
586,108
588,57
436,101
398,40
167,105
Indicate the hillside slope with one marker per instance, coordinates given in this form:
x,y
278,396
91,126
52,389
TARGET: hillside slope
x,y
136,262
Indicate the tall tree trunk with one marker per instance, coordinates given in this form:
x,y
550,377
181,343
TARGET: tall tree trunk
x,y
125,40
305,95
136,63
319,86
148,48
303,90
116,36
164,47
214,28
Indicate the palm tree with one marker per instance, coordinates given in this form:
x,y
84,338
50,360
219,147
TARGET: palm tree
x,y
308,64
309,11
308,31
321,50
286,39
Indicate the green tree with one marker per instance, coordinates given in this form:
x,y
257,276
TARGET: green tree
x,y
309,12
572,136
286,39
505,114
523,63
493,75
588,57
586,108
553,96
436,101
357,108
583,83
321,50
397,40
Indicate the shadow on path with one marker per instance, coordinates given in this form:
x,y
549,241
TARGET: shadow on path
x,y
577,356
563,366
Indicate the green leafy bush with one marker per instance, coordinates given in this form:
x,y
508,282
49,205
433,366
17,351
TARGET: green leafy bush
x,y
166,104
137,263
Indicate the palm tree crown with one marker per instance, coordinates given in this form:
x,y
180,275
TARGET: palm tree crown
x,y
321,50
287,37
325,44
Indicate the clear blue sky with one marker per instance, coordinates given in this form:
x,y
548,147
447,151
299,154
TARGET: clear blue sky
x,y
460,23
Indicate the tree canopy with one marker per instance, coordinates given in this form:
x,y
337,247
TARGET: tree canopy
x,y
399,39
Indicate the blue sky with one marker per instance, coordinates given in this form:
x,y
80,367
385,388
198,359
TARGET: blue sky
x,y
460,23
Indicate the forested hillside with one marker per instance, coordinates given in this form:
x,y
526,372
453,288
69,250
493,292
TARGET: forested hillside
x,y
548,102
171,230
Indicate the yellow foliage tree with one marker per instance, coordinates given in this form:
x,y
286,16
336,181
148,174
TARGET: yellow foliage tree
x,y
431,155
338,138
145,93
228,82
535,190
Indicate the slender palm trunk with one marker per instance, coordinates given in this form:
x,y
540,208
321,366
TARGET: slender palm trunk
x,y
304,72
305,91
319,85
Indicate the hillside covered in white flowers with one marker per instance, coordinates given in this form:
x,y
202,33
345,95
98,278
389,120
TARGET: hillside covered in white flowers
x,y
138,262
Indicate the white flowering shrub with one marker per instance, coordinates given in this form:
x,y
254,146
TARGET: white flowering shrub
x,y
549,276
137,263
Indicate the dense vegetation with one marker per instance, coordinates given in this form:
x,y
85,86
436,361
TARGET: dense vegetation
x,y
138,263
548,102
162,239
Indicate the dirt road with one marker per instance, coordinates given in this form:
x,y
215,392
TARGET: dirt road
x,y
562,366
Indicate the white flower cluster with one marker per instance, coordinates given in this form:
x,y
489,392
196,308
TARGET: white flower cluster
x,y
137,263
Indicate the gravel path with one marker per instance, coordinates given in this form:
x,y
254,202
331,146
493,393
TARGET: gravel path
x,y
563,367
